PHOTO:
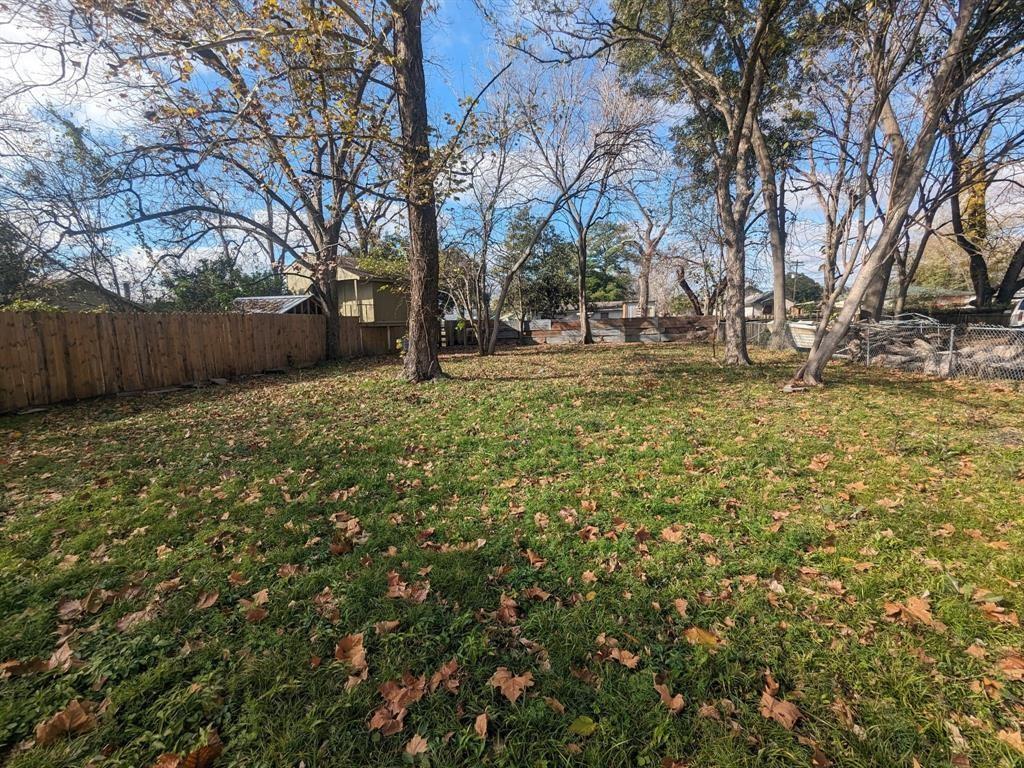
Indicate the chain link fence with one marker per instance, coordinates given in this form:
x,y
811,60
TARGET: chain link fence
x,y
949,351
989,352
920,344
758,333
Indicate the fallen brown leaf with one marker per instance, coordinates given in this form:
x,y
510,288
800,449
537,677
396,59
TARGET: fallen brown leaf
x,y
384,627
350,650
207,600
511,686
506,613
131,620
917,610
999,615
256,615
820,461
446,676
536,593
680,604
1012,666
535,560
1012,739
168,760
783,712
674,533
554,704
698,636
674,704
417,745
389,718
77,717
204,756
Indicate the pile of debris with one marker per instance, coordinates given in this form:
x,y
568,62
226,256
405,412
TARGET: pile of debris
x,y
923,348
916,354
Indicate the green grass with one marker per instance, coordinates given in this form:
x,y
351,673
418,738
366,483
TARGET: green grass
x,y
245,478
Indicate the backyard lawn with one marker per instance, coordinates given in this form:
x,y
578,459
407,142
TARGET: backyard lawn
x,y
624,556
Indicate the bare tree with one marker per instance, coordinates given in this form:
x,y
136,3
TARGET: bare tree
x,y
890,37
481,212
581,144
719,57
653,186
291,108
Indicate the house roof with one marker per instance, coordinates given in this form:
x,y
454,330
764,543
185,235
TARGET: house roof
x,y
349,265
344,265
758,297
77,292
763,297
269,305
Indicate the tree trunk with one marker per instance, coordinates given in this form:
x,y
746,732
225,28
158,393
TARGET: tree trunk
x,y
1011,282
735,347
499,305
506,281
825,345
902,282
691,295
325,288
483,312
874,299
901,298
586,337
421,361
733,235
970,227
643,292
775,213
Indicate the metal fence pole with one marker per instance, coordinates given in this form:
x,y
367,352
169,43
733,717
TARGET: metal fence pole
x,y
867,336
952,334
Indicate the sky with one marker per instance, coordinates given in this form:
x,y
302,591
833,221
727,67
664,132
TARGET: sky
x,y
458,47
460,51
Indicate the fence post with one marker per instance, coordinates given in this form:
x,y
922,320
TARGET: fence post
x,y
952,334
867,336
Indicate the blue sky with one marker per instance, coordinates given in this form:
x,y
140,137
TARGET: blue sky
x,y
458,47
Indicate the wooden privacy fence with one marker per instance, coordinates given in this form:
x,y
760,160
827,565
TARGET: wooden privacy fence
x,y
361,339
49,357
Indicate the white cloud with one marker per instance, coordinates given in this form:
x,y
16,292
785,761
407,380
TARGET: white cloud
x,y
40,70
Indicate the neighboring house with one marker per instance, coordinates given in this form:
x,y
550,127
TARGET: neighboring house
x,y
759,305
76,294
374,300
278,305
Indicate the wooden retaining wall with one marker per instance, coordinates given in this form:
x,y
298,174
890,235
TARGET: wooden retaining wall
x,y
51,357
634,329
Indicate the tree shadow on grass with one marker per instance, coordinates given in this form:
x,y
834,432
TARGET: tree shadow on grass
x,y
114,406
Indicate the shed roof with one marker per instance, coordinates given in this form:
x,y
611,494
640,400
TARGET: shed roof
x,y
269,305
